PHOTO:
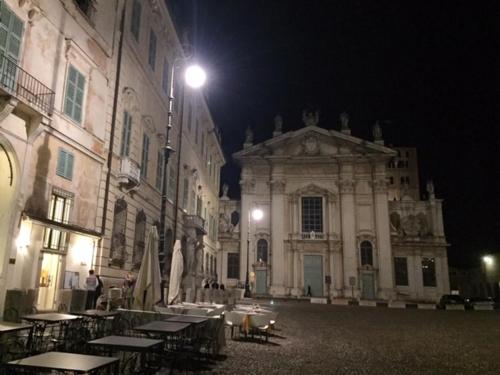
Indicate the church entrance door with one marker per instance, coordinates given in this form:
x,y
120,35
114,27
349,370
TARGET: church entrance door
x,y
367,284
261,281
313,275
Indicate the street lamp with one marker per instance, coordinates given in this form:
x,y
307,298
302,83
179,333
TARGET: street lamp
x,y
488,260
194,76
256,214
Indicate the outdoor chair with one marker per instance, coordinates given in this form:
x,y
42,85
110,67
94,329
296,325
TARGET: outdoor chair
x,y
260,324
233,319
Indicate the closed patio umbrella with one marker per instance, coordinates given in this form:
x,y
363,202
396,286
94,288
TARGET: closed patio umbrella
x,y
176,270
147,289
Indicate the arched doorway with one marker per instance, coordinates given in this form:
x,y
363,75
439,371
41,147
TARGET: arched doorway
x,y
9,178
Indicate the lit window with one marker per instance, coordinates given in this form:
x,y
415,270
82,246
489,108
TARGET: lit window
x,y
262,250
59,209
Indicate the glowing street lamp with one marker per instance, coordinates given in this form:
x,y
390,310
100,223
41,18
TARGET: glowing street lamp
x,y
195,76
256,214
488,260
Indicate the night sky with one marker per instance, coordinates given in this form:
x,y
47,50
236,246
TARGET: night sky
x,y
430,70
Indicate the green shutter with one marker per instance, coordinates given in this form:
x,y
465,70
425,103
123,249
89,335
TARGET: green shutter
x,y
75,90
145,155
136,19
126,132
152,49
64,166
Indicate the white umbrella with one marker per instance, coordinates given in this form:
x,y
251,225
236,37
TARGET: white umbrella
x,y
176,270
147,289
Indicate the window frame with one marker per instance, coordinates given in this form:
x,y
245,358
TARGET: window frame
x,y
152,49
303,217
233,265
126,134
135,21
145,156
71,112
400,274
429,280
66,170
366,258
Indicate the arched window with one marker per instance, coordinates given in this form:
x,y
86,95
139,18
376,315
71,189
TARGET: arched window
x,y
366,253
117,253
139,236
262,250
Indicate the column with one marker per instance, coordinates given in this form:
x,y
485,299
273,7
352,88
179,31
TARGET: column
x,y
278,236
385,262
247,190
348,220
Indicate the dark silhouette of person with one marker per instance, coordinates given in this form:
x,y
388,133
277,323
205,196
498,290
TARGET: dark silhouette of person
x,y
98,290
309,293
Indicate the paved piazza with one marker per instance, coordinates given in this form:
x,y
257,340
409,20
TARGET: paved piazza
x,y
327,339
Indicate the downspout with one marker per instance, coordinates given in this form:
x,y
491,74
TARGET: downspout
x,y
113,121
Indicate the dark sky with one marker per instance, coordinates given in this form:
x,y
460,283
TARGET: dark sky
x,y
430,68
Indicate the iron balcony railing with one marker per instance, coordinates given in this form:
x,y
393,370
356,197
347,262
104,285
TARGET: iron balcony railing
x,y
20,83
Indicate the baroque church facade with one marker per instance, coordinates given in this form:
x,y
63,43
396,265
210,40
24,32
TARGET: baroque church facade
x,y
342,218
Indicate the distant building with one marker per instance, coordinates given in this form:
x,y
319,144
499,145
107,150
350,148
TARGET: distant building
x,y
333,222
483,281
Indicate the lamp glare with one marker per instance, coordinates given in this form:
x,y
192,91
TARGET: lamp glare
x,y
195,76
257,214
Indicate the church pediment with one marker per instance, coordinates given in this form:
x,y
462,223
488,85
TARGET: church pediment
x,y
313,141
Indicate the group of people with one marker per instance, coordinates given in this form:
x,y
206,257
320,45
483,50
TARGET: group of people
x,y
213,285
95,288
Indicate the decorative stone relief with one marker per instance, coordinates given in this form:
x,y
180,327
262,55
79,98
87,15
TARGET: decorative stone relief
x,y
310,118
347,186
278,186
310,145
379,185
247,186
130,99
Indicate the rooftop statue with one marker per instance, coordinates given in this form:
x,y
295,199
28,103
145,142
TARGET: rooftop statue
x,y
344,121
278,123
377,132
249,135
310,119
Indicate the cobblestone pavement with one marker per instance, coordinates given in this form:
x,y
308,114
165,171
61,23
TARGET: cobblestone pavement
x,y
327,339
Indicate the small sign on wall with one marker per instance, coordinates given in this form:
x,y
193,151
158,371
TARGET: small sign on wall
x,y
352,281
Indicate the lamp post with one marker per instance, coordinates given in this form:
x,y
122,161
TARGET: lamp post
x,y
195,77
256,214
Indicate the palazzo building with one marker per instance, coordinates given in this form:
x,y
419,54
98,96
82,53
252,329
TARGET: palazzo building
x,y
84,102
337,222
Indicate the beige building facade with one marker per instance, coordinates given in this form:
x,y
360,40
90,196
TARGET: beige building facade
x,y
82,133
330,228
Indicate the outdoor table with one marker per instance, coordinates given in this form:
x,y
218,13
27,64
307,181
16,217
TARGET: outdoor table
x,y
187,319
170,331
40,322
5,329
65,362
98,319
127,344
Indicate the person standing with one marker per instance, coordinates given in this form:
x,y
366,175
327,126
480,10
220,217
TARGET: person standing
x,y
91,286
98,290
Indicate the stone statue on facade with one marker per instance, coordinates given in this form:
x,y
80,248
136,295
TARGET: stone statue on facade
x,y
225,189
278,123
377,132
344,121
430,189
249,136
310,118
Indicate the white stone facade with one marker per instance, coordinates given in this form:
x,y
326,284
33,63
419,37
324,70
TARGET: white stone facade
x,y
61,126
336,184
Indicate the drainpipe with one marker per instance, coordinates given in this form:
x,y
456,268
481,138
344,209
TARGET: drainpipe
x,y
113,120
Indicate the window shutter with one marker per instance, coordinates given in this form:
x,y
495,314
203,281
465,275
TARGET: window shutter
x,y
152,49
127,129
11,33
69,166
61,163
75,89
136,19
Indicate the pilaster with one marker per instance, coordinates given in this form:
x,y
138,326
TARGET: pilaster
x,y
278,236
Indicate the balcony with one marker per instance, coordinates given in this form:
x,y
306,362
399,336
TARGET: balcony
x,y
130,173
312,235
196,222
23,94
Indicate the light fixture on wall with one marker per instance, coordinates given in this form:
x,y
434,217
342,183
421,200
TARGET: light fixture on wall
x,y
23,240
255,214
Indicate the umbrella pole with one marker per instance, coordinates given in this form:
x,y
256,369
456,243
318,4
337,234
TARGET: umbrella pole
x,y
144,300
